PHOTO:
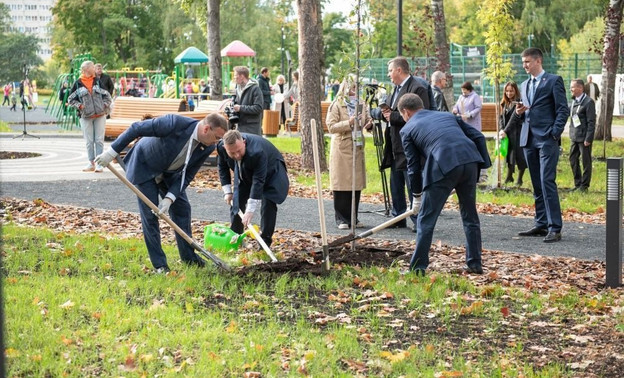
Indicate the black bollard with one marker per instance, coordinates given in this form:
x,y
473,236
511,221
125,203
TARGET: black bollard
x,y
614,223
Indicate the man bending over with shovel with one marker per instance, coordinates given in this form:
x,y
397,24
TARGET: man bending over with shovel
x,y
163,163
453,153
259,179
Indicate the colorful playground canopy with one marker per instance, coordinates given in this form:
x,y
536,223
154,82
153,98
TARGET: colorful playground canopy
x,y
237,48
191,55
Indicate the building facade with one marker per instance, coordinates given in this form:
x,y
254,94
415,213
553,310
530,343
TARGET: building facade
x,y
33,17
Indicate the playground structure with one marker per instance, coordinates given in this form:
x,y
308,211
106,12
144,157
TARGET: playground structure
x,y
235,49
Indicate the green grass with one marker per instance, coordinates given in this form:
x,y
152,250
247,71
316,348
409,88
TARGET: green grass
x,y
4,127
590,202
84,306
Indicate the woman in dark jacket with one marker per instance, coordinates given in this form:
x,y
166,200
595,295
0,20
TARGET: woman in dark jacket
x,y
515,154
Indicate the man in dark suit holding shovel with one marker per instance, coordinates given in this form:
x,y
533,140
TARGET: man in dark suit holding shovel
x,y
161,164
453,153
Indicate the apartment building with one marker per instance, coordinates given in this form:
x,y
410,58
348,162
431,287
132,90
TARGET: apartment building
x,y
33,17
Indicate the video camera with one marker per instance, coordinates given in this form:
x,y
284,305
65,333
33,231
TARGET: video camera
x,y
233,116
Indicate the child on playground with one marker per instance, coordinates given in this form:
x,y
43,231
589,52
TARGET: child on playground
x,y
13,101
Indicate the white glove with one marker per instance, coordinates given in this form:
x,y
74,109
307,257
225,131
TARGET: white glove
x,y
416,201
228,198
247,218
106,157
163,206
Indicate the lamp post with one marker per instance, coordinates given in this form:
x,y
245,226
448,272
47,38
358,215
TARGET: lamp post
x,y
283,38
399,27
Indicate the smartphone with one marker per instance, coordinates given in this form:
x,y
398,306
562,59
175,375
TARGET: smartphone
x,y
519,102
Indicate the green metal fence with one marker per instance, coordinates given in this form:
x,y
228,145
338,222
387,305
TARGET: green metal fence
x,y
471,69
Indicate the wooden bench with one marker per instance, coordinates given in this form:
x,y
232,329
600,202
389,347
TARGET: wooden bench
x,y
488,117
127,110
293,124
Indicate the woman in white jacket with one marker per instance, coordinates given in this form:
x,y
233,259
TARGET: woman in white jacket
x,y
280,103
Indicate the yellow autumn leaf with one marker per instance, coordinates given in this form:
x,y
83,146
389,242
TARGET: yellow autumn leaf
x,y
232,327
400,356
309,355
146,357
429,348
188,306
11,353
448,374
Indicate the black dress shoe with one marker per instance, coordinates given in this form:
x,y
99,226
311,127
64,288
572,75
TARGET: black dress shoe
x,y
476,269
399,224
535,231
552,237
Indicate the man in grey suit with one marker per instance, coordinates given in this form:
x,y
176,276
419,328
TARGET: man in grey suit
x,y
582,125
453,153
161,164
543,114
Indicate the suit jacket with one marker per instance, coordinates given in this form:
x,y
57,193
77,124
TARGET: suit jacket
x,y
162,140
263,169
443,142
394,149
586,111
548,113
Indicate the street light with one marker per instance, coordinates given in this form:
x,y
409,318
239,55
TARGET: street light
x,y
283,38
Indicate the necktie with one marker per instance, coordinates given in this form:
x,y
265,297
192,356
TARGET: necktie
x,y
396,95
532,90
191,146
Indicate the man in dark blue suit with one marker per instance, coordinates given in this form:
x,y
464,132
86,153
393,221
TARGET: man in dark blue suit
x,y
259,178
543,114
162,163
394,156
453,153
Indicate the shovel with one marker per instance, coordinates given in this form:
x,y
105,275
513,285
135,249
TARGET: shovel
x,y
386,224
207,255
257,236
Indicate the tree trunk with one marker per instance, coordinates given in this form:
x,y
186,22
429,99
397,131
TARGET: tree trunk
x,y
610,56
310,80
214,49
442,48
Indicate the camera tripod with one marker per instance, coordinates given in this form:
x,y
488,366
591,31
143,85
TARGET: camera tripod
x,y
24,105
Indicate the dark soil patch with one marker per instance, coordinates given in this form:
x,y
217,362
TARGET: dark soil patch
x,y
361,256
17,155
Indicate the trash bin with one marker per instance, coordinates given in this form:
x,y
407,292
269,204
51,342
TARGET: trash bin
x,y
270,123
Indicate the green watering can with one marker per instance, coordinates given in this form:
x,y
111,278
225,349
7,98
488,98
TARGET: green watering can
x,y
220,238
504,147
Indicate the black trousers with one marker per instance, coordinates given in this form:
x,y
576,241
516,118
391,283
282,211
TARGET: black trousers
x,y
576,149
342,206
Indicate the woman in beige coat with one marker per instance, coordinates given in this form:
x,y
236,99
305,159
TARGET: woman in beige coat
x,y
340,122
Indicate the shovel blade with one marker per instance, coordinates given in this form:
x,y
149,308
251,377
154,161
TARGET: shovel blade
x,y
342,240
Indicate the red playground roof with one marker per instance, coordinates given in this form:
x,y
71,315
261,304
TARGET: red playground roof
x,y
237,48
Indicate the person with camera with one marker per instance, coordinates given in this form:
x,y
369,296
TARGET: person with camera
x,y
394,156
248,103
259,178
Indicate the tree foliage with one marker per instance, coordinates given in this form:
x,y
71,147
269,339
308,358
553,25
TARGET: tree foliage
x,y
16,50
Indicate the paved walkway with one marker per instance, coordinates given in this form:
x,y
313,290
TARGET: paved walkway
x,y
57,178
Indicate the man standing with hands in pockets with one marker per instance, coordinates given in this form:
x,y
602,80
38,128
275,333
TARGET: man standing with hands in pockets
x,y
543,114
